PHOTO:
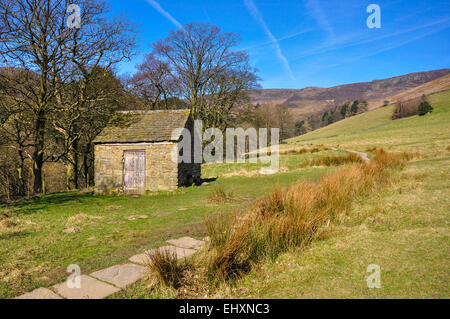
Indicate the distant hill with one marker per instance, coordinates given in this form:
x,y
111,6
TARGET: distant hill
x,y
314,101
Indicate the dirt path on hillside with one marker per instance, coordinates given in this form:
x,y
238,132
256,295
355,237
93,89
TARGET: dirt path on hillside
x,y
363,155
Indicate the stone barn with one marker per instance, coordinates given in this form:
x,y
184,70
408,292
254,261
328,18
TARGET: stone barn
x,y
135,153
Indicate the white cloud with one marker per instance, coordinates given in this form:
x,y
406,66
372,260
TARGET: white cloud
x,y
253,10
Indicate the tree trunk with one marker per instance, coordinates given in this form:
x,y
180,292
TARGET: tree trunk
x,y
38,154
75,170
20,170
86,166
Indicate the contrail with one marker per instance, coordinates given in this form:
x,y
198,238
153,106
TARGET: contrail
x,y
317,13
158,8
251,7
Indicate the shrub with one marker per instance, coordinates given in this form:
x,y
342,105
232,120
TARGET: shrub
x,y
165,266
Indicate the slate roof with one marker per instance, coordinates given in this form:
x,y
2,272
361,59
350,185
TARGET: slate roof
x,y
144,127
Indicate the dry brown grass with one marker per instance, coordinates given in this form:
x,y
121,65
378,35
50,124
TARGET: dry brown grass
x,y
290,218
82,219
5,220
305,150
335,160
5,214
219,195
6,224
166,268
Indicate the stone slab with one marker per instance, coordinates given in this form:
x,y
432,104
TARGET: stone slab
x,y
90,289
187,242
121,276
144,258
40,293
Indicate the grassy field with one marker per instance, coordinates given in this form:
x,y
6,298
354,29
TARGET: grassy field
x,y
35,251
404,227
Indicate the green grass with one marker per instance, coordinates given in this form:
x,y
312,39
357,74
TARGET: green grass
x,y
376,128
288,163
36,251
403,228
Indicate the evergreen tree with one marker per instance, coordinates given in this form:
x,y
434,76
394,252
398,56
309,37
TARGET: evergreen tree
x,y
424,108
344,109
354,108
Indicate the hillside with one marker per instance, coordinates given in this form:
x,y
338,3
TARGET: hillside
x,y
314,100
365,129
403,229
438,85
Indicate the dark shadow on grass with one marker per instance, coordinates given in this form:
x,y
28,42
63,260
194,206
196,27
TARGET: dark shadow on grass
x,y
40,202
15,234
209,180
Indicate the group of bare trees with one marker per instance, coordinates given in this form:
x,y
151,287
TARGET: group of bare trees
x,y
58,88
197,64
56,84
415,106
267,116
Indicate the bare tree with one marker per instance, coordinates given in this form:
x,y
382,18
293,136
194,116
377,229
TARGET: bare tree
x,y
154,82
95,48
212,77
34,37
284,121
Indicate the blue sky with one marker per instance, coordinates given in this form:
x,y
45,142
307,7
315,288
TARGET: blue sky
x,y
301,43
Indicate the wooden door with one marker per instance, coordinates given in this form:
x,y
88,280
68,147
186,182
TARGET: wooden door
x,y
134,172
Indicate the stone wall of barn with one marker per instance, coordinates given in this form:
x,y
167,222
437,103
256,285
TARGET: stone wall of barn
x,y
161,171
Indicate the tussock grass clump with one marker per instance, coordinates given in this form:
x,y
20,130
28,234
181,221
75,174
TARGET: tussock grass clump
x,y
306,151
291,218
82,219
335,160
372,149
167,269
5,220
220,228
6,224
385,159
220,195
5,214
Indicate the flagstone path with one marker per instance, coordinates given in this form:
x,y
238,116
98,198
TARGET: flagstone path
x,y
105,282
